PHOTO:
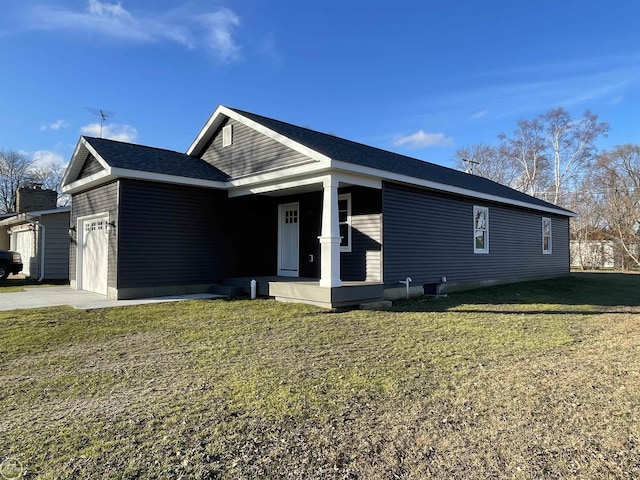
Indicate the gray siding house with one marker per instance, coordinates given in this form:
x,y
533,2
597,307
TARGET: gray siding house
x,y
311,217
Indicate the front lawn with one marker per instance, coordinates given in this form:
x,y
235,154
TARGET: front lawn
x,y
534,380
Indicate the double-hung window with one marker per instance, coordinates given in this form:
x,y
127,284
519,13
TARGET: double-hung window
x,y
344,221
546,235
480,229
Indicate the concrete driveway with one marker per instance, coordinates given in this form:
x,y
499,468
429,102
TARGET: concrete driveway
x,y
64,295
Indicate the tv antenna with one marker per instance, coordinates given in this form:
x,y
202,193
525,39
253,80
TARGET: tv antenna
x,y
102,114
471,164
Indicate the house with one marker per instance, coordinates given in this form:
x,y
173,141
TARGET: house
x,y
310,216
39,231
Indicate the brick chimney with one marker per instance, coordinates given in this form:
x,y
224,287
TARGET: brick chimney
x,y
34,198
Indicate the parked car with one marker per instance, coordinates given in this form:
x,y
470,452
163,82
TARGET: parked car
x,y
10,262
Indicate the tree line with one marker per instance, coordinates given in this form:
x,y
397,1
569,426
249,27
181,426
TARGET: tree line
x,y
17,170
554,157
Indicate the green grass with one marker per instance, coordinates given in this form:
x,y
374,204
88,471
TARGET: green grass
x,y
534,380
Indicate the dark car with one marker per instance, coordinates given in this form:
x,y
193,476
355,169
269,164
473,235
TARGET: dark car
x,y
10,262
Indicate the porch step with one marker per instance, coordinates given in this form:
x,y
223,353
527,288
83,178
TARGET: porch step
x,y
229,290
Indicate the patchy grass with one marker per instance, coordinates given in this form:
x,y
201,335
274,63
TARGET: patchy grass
x,y
535,380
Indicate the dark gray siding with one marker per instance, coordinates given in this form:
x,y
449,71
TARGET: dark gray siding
x,y
171,235
363,263
428,235
251,152
57,245
179,235
98,200
91,166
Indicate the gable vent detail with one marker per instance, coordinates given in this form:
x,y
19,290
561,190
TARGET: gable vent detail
x,y
227,135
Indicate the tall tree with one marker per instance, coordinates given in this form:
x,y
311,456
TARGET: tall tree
x,y
14,173
571,146
526,150
618,172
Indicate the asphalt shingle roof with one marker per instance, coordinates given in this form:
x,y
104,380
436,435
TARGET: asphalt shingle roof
x,y
155,160
364,155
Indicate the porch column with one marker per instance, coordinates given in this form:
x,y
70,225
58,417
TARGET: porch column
x,y
330,235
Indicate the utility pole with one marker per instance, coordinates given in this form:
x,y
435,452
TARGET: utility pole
x,y
471,164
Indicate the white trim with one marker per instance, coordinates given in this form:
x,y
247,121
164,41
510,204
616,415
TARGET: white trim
x,y
548,251
347,197
385,175
476,210
227,135
281,208
116,173
80,248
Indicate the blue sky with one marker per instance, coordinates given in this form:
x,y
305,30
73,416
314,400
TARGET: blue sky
x,y
422,78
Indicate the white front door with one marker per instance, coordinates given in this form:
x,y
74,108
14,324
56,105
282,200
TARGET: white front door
x,y
288,239
93,254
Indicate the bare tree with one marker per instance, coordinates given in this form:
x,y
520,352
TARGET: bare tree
x,y
571,146
544,157
526,149
487,162
618,172
14,173
50,177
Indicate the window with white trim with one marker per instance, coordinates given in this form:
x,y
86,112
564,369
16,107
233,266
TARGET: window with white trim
x,y
480,229
546,235
344,221
227,135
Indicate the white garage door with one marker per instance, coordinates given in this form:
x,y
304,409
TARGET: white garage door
x,y
93,253
24,242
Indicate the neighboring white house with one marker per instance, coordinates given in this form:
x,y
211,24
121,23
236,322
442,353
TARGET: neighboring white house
x,y
592,254
42,238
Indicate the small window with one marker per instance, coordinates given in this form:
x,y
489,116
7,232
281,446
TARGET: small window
x,y
546,235
480,230
344,220
227,135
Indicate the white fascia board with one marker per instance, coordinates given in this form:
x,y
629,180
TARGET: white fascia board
x,y
385,175
77,160
88,182
207,131
163,178
275,176
318,178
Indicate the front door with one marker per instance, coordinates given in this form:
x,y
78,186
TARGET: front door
x,y
288,239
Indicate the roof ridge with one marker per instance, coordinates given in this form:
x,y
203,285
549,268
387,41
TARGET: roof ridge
x,y
136,145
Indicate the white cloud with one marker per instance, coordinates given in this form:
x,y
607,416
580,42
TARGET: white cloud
x,y
214,30
479,114
220,39
57,125
48,159
114,131
421,139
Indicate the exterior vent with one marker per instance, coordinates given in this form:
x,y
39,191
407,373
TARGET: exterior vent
x,y
227,135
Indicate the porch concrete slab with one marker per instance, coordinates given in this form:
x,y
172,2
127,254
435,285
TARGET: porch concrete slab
x,y
56,296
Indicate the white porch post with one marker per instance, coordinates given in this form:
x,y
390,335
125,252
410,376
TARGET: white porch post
x,y
330,235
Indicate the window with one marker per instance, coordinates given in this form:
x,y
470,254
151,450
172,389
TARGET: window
x,y
227,135
344,221
480,230
546,235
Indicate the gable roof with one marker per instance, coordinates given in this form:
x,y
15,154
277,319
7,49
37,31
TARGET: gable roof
x,y
363,155
130,156
128,160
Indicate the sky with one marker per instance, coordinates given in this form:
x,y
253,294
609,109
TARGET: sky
x,y
420,78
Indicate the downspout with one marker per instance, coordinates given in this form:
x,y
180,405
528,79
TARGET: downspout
x,y
42,229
